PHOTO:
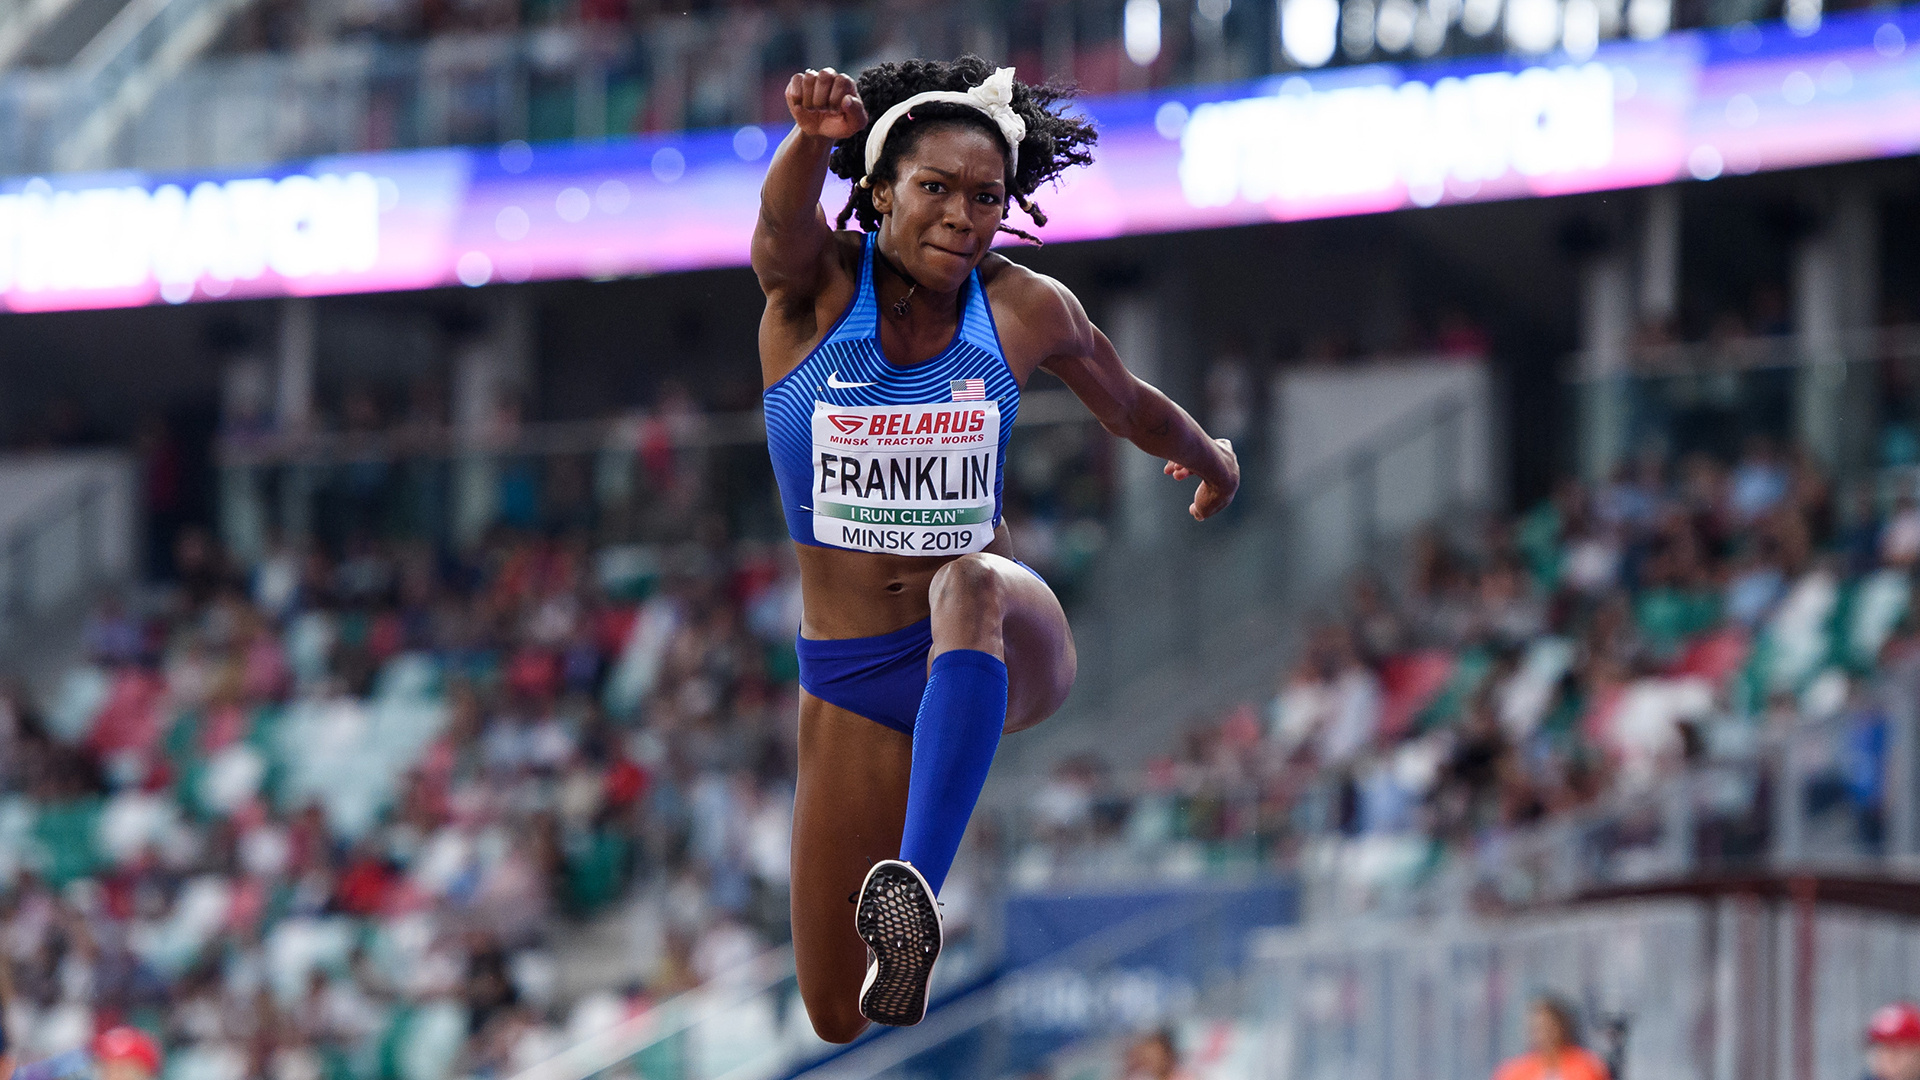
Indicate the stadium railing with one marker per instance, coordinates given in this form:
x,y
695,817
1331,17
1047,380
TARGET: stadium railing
x,y
117,75
1844,398
297,467
1729,985
1723,986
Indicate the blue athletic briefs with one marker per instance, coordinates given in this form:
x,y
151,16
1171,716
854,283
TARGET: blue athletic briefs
x,y
881,678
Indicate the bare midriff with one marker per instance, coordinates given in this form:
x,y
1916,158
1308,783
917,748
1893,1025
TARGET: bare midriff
x,y
852,594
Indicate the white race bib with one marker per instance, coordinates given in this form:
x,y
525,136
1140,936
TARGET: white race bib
x,y
905,479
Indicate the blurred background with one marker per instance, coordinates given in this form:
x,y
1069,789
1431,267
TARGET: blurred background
x,y
396,621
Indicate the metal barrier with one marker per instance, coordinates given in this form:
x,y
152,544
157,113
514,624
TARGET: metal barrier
x,y
1734,988
447,486
1846,400
1729,987
1448,1002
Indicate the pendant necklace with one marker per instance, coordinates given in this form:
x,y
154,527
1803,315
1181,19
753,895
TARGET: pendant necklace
x,y
905,304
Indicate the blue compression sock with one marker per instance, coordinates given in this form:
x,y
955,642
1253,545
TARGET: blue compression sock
x,y
954,737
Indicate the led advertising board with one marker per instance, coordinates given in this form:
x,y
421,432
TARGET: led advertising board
x,y
1354,140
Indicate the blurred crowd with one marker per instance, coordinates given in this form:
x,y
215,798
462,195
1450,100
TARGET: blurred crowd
x,y
674,66
369,809
1540,666
392,814
332,818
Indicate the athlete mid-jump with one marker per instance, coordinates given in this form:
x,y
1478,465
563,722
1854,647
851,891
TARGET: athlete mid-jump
x,y
893,361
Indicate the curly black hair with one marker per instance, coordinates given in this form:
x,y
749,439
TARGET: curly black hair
x,y
1055,141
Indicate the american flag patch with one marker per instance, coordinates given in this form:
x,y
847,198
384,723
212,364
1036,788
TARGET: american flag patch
x,y
969,389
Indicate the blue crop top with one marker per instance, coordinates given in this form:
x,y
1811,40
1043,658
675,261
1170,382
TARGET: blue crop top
x,y
871,456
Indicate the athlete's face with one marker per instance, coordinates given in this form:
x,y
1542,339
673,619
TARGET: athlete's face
x,y
944,205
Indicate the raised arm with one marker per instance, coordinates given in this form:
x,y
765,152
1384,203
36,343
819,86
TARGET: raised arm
x,y
1140,413
790,240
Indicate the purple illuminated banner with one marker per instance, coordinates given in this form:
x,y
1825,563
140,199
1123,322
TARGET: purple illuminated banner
x,y
1343,141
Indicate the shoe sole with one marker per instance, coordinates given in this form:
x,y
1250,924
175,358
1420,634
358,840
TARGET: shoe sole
x,y
899,920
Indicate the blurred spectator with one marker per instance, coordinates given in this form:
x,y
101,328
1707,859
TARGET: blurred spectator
x,y
119,1053
1893,1043
1759,481
1153,1057
1556,1054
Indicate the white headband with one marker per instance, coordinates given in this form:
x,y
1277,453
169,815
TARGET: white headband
x,y
993,97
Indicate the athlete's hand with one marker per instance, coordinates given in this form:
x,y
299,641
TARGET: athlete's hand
x,y
825,103
1215,492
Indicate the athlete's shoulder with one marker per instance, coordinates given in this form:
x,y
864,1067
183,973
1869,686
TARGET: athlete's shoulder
x,y
849,247
1008,282
1034,306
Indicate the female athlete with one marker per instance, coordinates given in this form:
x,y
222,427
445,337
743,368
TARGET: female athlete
x,y
893,360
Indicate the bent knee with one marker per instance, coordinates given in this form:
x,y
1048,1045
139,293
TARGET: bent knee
x,y
967,584
836,1023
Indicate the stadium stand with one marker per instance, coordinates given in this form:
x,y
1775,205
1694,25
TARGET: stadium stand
x,y
347,814
339,810
1538,667
469,741
334,817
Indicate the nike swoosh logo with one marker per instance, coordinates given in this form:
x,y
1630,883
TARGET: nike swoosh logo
x,y
833,381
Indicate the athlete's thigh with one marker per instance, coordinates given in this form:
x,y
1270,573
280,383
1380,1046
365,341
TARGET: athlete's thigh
x,y
1038,645
849,807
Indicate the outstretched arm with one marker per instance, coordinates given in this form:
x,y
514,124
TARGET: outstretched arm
x,y
1142,415
791,237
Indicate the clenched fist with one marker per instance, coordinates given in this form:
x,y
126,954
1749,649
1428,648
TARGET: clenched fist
x,y
825,103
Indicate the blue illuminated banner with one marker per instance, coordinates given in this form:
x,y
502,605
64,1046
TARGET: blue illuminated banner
x,y
1693,105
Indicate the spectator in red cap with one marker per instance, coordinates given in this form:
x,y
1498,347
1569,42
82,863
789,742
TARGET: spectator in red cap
x,y
126,1053
1893,1042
